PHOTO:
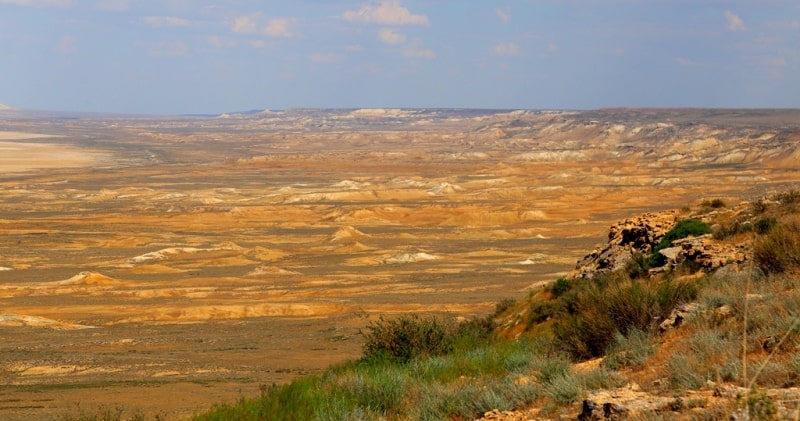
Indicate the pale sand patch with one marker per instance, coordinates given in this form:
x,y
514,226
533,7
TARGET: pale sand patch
x,y
23,135
19,320
17,156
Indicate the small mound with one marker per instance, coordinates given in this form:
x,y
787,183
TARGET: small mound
x,y
347,233
348,185
162,254
19,320
445,188
270,270
155,268
88,278
408,258
535,259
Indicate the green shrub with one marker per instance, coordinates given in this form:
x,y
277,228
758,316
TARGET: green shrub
x,y
630,351
560,286
617,304
565,389
503,305
779,249
407,337
734,228
470,400
298,400
380,389
764,225
717,203
549,367
760,207
760,406
682,229
542,310
637,266
789,199
602,378
682,374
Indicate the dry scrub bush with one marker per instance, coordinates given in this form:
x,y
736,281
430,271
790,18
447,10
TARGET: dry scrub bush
x,y
778,250
617,304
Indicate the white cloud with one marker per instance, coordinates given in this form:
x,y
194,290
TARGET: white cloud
x,y
158,21
280,28
169,49
258,43
618,52
354,48
506,50
503,14
67,46
390,37
258,23
420,53
735,23
685,62
37,3
114,5
247,24
324,57
221,42
551,48
385,12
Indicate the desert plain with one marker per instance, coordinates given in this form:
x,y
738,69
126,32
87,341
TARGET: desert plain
x,y
165,264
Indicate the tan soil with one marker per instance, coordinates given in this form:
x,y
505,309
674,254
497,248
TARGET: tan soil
x,y
166,265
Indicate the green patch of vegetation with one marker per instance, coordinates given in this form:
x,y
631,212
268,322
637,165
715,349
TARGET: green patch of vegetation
x,y
778,250
617,304
106,413
764,225
407,337
560,286
714,203
630,351
682,229
466,382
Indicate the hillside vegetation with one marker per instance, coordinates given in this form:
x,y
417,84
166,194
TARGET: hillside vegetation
x,y
660,338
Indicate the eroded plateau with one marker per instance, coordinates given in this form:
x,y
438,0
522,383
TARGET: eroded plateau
x,y
167,264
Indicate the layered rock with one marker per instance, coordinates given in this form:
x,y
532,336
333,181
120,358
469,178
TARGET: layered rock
x,y
639,234
704,251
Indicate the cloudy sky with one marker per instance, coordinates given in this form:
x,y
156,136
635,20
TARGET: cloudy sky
x,y
212,56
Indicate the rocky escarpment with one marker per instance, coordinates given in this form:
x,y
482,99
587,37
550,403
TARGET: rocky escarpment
x,y
641,234
704,251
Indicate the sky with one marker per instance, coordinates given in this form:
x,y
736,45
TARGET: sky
x,y
212,56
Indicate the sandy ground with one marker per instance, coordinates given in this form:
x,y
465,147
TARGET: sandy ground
x,y
26,156
166,265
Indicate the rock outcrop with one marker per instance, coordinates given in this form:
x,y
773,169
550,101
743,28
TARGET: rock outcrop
x,y
633,235
704,251
641,235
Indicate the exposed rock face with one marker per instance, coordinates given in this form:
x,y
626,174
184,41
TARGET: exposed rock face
x,y
678,316
634,235
704,251
642,234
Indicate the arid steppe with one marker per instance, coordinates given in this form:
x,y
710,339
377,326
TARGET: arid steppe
x,y
166,264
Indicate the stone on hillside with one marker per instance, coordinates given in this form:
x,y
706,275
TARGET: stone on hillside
x,y
704,252
639,234
678,315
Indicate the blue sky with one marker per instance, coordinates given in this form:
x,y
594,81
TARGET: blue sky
x,y
212,56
